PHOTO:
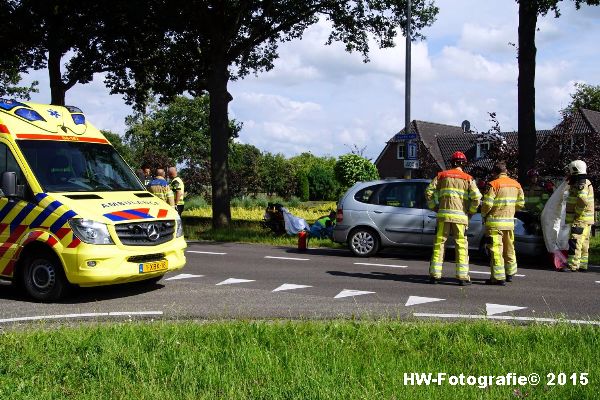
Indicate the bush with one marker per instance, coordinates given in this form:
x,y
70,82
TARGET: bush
x,y
352,168
195,202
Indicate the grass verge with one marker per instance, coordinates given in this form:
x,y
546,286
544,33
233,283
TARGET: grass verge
x,y
284,360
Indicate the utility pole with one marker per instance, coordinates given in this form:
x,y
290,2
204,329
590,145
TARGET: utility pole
x,y
407,172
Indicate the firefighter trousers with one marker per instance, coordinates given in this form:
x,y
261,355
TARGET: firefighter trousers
x,y
501,245
579,244
444,229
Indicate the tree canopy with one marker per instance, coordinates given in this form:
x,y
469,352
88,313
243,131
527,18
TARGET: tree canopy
x,y
585,96
198,46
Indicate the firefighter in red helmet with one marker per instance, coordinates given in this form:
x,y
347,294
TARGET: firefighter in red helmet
x,y
453,194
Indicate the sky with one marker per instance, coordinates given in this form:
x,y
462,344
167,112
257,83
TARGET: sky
x,y
324,100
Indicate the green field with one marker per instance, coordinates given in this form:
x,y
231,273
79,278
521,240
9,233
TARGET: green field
x,y
293,360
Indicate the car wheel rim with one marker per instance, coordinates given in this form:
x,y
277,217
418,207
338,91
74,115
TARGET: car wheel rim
x,y
363,242
43,277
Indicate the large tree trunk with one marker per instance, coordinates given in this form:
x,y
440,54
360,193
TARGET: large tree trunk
x,y
526,86
219,143
57,91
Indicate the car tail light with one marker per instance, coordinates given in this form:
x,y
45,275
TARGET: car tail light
x,y
340,215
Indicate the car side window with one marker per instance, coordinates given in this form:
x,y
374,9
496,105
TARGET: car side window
x,y
9,163
401,194
367,195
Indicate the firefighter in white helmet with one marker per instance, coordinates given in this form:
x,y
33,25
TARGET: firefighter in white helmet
x,y
579,215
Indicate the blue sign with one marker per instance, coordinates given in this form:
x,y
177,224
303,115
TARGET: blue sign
x,y
405,136
411,151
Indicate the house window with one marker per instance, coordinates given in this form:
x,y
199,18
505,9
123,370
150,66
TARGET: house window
x,y
482,150
401,151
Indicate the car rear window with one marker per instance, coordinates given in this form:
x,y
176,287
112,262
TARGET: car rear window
x,y
366,195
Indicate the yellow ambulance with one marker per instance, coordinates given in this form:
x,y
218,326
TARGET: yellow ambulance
x,y
72,212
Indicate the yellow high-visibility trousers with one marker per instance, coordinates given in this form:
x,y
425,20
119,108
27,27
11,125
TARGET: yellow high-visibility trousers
x,y
501,245
579,244
444,229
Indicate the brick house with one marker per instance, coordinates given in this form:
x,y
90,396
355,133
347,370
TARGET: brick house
x,y
575,137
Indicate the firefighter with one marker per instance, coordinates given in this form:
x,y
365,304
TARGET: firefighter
x,y
580,215
161,189
453,194
536,196
503,196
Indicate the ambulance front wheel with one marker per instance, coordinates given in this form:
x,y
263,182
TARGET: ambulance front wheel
x,y
43,277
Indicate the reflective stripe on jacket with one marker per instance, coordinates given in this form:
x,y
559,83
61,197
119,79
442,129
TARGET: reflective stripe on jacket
x,y
535,198
455,195
580,203
503,197
177,185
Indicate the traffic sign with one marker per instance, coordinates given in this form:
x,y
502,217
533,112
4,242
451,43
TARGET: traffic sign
x,y
411,151
405,136
411,164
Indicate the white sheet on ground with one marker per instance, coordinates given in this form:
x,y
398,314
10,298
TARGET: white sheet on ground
x,y
556,232
293,224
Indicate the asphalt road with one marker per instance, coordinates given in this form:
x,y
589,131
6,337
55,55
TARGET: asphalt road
x,y
222,281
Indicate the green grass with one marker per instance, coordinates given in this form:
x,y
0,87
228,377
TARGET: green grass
x,y
594,256
291,360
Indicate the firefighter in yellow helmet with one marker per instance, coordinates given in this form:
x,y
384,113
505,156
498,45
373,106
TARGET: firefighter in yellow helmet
x,y
580,215
454,195
503,196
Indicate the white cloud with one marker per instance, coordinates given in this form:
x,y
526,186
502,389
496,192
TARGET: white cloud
x,y
469,66
479,38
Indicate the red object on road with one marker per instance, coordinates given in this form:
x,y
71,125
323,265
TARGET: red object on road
x,y
302,238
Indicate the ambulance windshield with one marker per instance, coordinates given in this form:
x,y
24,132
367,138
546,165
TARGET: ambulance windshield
x,y
78,166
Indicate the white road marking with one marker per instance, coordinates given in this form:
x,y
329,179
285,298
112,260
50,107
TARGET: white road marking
x,y
412,300
489,273
493,309
183,276
382,265
205,252
288,258
290,286
507,318
351,293
82,315
232,281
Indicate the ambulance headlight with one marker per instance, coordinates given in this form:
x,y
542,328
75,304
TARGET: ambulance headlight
x,y
179,231
90,232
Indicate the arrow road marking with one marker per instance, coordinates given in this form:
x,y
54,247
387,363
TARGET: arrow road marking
x,y
290,286
232,281
493,309
382,265
351,293
183,276
412,300
288,258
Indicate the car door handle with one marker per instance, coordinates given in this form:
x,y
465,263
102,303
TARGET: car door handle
x,y
378,212
432,216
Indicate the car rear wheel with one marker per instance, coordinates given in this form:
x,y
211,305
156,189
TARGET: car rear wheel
x,y
363,242
43,277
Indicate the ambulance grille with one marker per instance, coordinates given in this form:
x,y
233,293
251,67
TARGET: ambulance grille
x,y
144,233
147,258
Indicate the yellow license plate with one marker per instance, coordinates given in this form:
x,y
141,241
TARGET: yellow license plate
x,y
154,266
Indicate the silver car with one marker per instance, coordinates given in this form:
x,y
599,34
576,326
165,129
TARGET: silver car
x,y
389,213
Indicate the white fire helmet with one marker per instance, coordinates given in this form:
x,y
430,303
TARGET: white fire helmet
x,y
577,167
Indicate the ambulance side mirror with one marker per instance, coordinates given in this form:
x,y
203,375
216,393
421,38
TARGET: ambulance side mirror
x,y
9,184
